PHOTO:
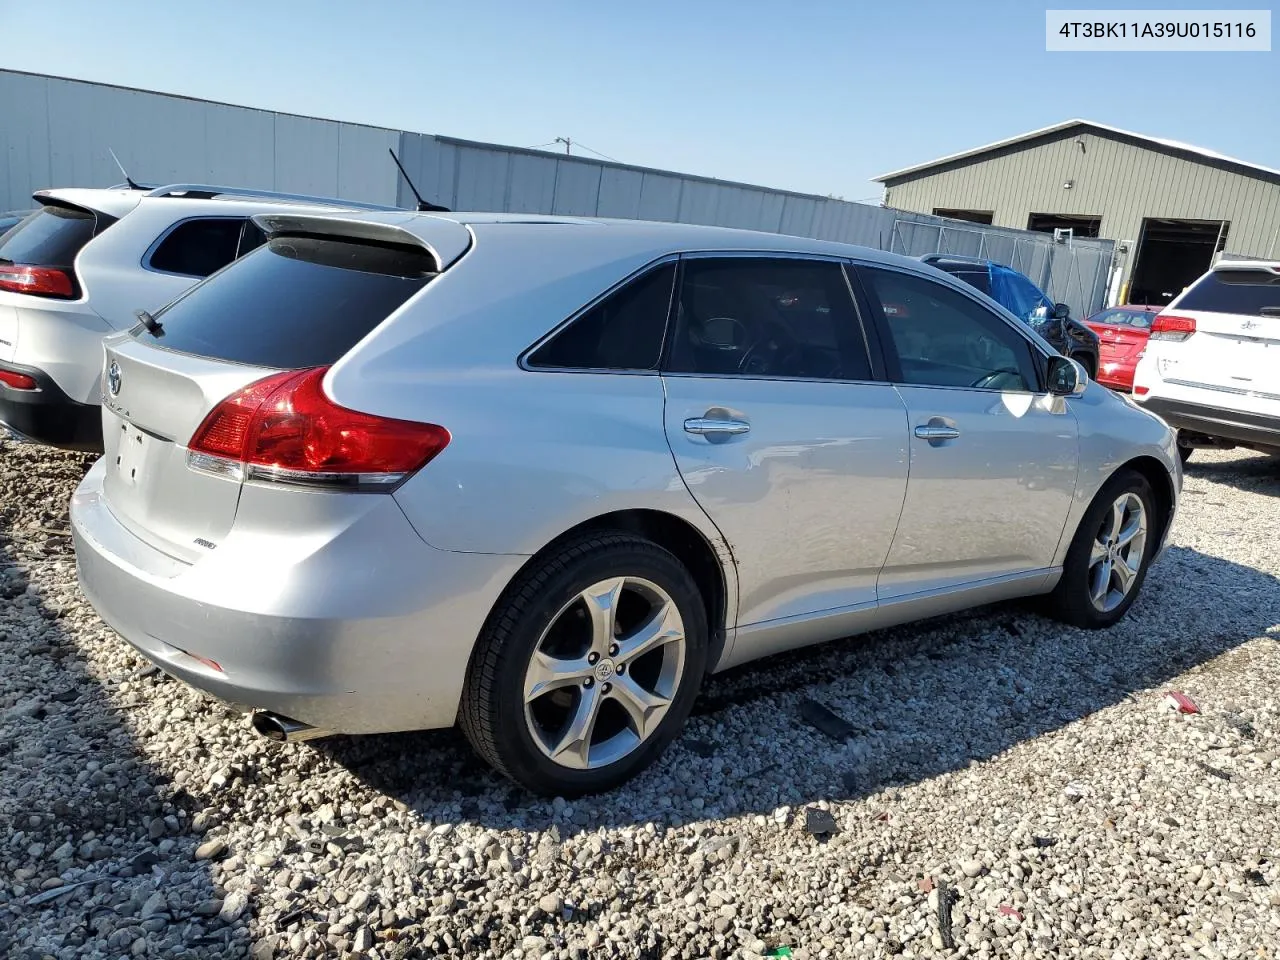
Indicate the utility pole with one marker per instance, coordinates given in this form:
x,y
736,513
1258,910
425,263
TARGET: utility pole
x,y
567,143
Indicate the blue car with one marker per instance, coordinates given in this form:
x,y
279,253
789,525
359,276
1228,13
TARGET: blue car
x,y
1025,300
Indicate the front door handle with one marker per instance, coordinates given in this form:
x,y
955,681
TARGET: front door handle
x,y
936,432
715,427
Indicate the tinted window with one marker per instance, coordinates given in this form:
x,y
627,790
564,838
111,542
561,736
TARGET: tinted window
x,y
197,248
295,302
50,237
1254,293
943,338
976,277
1126,318
768,318
622,332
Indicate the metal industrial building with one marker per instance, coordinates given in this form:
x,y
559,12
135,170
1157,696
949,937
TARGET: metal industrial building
x,y
1170,207
56,132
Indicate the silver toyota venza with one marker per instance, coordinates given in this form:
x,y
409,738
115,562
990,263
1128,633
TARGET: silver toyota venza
x,y
539,476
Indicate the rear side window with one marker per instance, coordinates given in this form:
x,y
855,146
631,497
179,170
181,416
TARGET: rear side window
x,y
294,302
978,279
51,237
1253,293
197,248
622,332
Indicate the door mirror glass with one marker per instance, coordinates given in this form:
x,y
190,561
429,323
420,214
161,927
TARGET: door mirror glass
x,y
1038,315
1061,311
1066,377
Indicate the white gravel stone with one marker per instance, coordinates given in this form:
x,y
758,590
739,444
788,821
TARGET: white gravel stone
x,y
969,729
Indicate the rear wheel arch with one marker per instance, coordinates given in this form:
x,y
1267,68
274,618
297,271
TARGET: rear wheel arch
x,y
710,567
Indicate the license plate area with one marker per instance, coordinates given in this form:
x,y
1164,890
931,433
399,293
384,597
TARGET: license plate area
x,y
131,454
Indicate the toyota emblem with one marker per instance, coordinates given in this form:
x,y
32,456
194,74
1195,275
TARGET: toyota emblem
x,y
113,378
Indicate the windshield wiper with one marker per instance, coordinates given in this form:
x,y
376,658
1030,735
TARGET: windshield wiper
x,y
154,327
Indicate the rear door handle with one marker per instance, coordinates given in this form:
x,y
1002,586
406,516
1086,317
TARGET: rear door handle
x,y
935,432
715,427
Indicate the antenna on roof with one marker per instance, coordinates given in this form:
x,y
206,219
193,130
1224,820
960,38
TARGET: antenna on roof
x,y
422,204
123,172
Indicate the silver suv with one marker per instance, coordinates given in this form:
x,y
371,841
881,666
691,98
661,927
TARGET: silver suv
x,y
83,265
540,475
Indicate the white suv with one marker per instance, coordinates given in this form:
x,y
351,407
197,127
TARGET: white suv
x,y
83,266
1211,367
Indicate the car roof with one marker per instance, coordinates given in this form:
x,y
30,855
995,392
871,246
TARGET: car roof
x,y
638,235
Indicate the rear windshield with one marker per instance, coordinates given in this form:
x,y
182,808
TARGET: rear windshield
x,y
1253,293
294,302
51,237
1125,318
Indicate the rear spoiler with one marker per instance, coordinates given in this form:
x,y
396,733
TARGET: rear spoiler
x,y
372,231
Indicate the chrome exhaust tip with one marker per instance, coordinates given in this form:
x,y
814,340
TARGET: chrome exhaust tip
x,y
282,729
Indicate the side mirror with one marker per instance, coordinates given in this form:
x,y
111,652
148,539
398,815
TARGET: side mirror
x,y
1067,378
1061,311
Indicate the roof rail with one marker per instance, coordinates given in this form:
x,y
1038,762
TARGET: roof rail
x,y
954,257
201,191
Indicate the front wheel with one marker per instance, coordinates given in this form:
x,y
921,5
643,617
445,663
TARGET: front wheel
x,y
1107,561
588,666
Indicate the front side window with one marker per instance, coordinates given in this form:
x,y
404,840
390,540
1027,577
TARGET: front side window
x,y
767,317
622,332
945,339
197,248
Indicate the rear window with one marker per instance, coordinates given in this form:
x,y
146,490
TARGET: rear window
x,y
1252,293
1125,318
977,277
197,248
51,237
294,302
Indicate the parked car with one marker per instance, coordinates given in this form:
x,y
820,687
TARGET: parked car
x,y
1122,333
1211,367
1017,294
538,476
82,266
11,218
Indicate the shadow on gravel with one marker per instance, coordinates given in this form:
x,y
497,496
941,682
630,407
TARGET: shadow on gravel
x,y
1258,473
922,699
88,829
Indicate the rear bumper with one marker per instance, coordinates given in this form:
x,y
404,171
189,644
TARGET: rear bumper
x,y
1233,426
369,631
1117,374
47,415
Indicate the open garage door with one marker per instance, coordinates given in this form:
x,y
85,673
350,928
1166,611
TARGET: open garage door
x,y
1171,255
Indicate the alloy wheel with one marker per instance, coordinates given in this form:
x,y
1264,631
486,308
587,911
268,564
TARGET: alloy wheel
x,y
1117,552
604,673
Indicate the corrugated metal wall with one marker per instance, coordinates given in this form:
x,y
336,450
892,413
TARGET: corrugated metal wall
x,y
56,132
1119,181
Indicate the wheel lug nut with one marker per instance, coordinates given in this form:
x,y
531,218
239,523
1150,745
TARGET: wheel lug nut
x,y
606,688
622,668
613,650
588,683
592,657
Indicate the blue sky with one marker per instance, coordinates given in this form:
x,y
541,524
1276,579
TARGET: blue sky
x,y
812,95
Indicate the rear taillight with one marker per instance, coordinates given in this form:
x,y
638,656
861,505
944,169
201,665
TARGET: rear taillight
x,y
284,429
1141,391
38,281
1168,327
18,381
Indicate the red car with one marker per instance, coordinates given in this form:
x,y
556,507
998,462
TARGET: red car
x,y
1122,333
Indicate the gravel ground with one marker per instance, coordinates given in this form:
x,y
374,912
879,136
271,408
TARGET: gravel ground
x,y
1011,788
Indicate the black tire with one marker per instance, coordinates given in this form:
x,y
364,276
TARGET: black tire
x,y
1070,601
492,714
1089,364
